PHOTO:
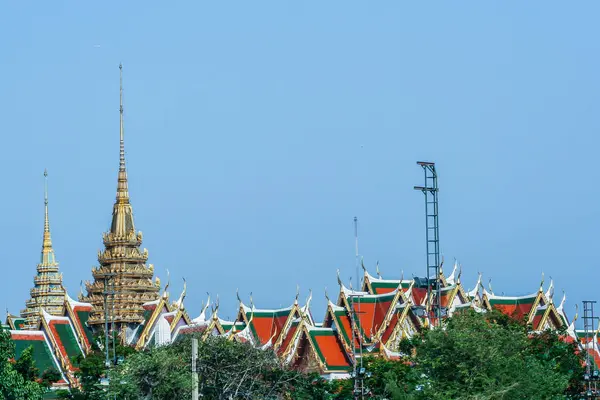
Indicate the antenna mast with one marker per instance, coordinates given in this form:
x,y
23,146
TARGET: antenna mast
x,y
591,375
432,236
356,250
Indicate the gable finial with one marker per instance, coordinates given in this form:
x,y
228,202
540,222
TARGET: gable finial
x,y
309,299
377,270
165,293
550,292
182,296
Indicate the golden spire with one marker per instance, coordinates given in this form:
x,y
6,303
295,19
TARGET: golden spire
x,y
47,250
122,220
122,190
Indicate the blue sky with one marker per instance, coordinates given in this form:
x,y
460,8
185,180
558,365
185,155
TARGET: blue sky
x,y
256,131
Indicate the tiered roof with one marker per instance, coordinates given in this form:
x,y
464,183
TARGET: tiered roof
x,y
58,341
122,263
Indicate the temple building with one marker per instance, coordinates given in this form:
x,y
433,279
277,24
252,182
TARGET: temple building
x,y
370,319
123,276
48,292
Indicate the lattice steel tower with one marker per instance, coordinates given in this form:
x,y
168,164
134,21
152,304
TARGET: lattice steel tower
x,y
432,236
591,375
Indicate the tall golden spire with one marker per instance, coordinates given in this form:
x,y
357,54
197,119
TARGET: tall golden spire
x,y
122,220
122,189
122,262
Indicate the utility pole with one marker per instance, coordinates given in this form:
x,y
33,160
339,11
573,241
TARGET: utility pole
x,y
358,371
194,369
112,319
432,235
108,292
356,250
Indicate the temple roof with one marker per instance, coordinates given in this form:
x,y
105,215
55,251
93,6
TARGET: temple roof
x,y
43,356
266,325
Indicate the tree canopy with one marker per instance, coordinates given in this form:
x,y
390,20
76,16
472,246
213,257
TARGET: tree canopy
x,y
485,357
18,379
473,356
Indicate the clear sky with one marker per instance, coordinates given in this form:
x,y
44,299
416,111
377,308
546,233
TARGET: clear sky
x,y
255,131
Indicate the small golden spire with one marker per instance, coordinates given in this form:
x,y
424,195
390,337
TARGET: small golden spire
x,y
46,222
47,251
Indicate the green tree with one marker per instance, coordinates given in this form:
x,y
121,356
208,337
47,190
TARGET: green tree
x,y
226,370
487,356
25,365
13,385
91,370
50,376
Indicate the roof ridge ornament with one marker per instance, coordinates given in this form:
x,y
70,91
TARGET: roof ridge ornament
x,y
377,270
562,302
308,300
165,293
183,294
542,283
550,292
453,273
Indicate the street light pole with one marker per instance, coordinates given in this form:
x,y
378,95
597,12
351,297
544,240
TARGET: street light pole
x,y
194,369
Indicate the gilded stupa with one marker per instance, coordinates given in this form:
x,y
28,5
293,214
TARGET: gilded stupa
x,y
123,281
48,292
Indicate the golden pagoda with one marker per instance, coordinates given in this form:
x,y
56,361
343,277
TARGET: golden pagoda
x,y
48,292
122,282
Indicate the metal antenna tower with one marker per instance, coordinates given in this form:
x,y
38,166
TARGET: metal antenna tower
x,y
591,375
432,235
356,250
358,370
